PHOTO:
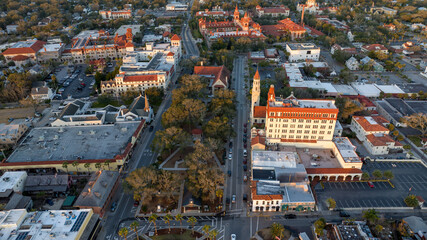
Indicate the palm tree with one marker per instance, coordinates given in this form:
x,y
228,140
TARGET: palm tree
x,y
134,226
193,222
98,165
65,165
107,163
152,219
206,229
167,220
277,230
178,217
87,166
213,234
123,232
75,164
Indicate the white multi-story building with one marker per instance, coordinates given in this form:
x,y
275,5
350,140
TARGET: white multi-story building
x,y
303,51
12,182
374,135
151,67
53,224
176,6
116,14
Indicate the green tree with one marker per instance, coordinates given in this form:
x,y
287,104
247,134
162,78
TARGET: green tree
x,y
192,221
346,107
417,121
213,233
87,166
167,219
65,165
152,219
219,128
194,110
379,228
331,203
365,176
400,138
179,218
107,163
411,201
391,127
395,133
75,164
388,174
319,226
206,229
98,166
277,230
377,174
123,232
134,226
370,215
170,139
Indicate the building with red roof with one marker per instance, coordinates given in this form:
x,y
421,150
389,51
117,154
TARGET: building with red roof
x,y
216,12
219,76
284,27
277,11
24,51
374,48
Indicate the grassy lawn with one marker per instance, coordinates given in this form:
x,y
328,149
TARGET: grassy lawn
x,y
416,140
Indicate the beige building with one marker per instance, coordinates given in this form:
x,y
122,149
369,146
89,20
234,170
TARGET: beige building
x,y
10,134
116,14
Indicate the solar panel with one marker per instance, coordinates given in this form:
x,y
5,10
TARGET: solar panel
x,y
79,222
22,236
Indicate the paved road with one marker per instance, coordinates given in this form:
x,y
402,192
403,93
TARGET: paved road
x,y
142,156
188,42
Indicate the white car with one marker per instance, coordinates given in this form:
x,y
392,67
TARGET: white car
x,y
233,236
230,156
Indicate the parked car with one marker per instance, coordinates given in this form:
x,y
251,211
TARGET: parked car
x,y
371,185
230,145
52,118
245,197
230,156
136,203
151,128
233,199
233,236
245,152
113,206
245,161
229,173
245,168
344,214
230,150
290,216
245,178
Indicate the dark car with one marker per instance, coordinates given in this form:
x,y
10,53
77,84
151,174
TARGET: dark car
x,y
244,125
136,203
245,168
79,88
113,206
245,161
151,128
227,200
344,214
229,173
245,145
290,216
245,197
230,145
244,140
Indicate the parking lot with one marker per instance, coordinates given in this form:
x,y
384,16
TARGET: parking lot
x,y
409,178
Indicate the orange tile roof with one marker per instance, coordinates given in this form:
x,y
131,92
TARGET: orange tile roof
x,y
34,48
368,127
140,78
257,75
170,54
220,73
313,171
20,58
259,111
379,140
288,24
267,197
175,37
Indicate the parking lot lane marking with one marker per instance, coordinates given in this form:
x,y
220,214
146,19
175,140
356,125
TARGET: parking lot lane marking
x,y
352,203
351,184
364,204
395,203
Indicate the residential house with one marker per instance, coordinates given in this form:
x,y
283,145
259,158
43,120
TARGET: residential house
x,y
218,76
138,110
352,64
41,92
374,48
348,50
13,28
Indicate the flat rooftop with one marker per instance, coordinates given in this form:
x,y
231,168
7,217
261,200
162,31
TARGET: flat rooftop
x,y
297,192
9,179
401,106
123,28
344,89
55,224
393,89
69,143
269,159
317,158
98,189
24,44
393,113
368,90
346,149
306,103
302,46
51,47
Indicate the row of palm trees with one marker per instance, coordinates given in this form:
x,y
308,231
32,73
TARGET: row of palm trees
x,y
75,164
123,232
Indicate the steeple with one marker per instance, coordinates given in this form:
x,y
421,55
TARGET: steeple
x,y
256,76
147,106
271,94
256,92
236,14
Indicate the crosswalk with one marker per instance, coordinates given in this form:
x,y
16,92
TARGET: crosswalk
x,y
185,218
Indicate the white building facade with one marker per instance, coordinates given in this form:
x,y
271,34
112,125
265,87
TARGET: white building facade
x,y
303,51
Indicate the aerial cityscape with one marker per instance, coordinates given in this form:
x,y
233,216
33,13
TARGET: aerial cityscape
x,y
215,120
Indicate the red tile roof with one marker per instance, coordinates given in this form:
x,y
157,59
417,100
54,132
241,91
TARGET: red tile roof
x,y
196,131
257,75
362,99
170,54
368,126
258,140
289,25
374,47
379,140
175,37
166,34
34,48
20,58
219,73
313,171
140,78
259,111
268,197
